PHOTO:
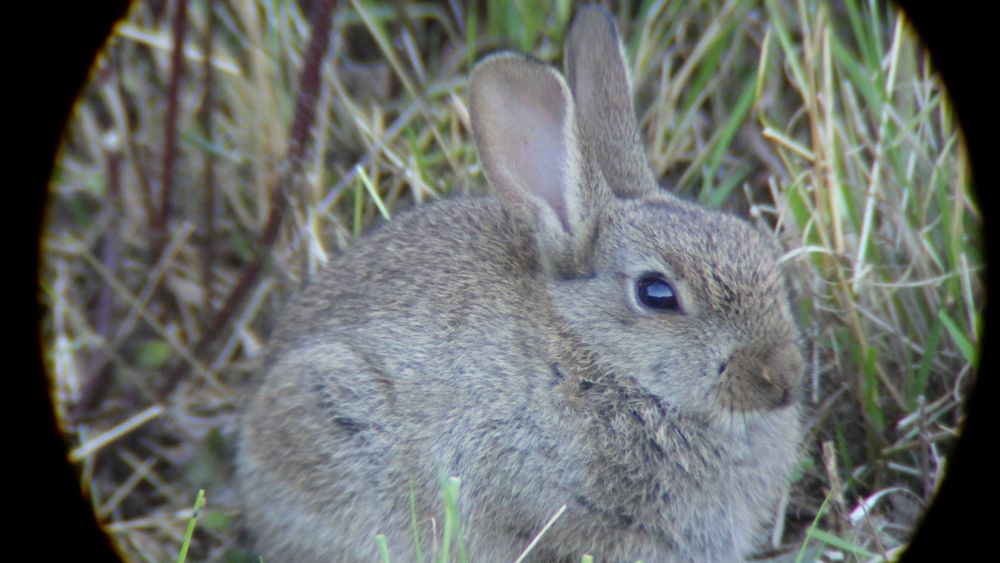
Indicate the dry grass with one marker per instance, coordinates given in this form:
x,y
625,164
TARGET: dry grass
x,y
822,122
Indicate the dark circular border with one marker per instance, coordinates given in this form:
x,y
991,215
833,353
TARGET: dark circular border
x,y
52,64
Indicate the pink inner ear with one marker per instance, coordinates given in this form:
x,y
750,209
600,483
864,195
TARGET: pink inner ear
x,y
524,131
521,111
537,152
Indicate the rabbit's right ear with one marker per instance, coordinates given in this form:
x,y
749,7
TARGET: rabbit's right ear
x,y
599,80
523,122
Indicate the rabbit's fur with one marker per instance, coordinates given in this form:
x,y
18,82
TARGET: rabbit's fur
x,y
503,341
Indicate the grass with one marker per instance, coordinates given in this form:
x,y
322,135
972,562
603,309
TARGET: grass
x,y
824,123
199,502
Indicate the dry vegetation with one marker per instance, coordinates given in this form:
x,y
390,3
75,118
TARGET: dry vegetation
x,y
198,187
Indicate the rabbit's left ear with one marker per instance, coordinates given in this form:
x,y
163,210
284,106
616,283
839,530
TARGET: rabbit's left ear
x,y
523,122
599,80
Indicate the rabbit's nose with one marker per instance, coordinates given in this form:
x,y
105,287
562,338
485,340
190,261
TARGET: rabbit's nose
x,y
763,378
782,371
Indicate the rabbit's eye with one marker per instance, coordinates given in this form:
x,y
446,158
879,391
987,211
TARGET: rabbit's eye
x,y
656,293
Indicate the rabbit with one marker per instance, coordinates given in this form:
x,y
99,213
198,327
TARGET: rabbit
x,y
582,339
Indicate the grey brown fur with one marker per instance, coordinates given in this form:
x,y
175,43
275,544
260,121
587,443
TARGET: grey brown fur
x,y
501,341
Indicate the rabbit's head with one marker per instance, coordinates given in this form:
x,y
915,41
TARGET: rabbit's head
x,y
689,303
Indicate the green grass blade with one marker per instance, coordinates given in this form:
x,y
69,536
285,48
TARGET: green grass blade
x,y
788,46
373,193
383,548
199,502
965,346
838,542
872,403
812,527
418,554
924,370
452,522
737,118
359,208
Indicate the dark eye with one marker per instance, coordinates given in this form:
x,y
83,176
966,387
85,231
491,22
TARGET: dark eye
x,y
656,293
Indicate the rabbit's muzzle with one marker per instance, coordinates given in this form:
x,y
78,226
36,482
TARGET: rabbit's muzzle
x,y
761,378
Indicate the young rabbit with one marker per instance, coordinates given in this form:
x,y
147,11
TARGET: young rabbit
x,y
584,339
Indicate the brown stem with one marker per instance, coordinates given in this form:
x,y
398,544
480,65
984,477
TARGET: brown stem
x,y
208,218
170,122
305,112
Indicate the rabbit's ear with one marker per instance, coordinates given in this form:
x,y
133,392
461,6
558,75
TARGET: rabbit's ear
x,y
599,80
522,120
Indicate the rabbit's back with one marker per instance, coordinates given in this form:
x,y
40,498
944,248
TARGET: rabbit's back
x,y
427,263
